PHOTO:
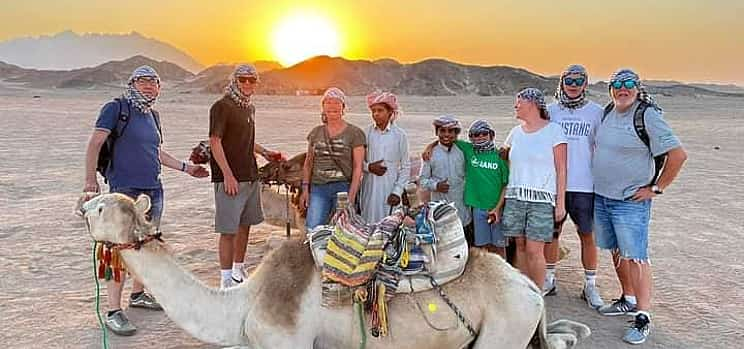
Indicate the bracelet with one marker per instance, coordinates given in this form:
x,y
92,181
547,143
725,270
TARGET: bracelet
x,y
183,166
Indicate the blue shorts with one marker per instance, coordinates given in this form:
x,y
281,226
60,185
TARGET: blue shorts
x,y
322,202
622,225
580,206
156,201
487,234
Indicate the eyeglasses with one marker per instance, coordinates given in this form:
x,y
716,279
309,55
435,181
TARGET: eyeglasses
x,y
146,80
574,81
627,84
251,79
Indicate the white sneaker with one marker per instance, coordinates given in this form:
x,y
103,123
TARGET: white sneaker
x,y
227,283
550,287
592,297
238,276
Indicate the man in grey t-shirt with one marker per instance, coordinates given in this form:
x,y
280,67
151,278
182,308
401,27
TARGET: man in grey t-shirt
x,y
623,171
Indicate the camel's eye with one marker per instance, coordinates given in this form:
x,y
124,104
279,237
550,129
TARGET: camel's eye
x,y
100,210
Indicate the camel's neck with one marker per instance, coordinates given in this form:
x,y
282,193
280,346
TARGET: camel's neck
x,y
206,313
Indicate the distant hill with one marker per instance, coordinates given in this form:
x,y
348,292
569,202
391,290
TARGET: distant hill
x,y
68,50
433,77
111,73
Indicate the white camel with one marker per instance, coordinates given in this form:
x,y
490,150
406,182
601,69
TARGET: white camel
x,y
279,305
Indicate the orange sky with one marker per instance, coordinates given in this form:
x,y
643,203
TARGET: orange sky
x,y
662,39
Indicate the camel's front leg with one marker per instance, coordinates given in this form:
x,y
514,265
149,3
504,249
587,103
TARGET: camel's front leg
x,y
503,332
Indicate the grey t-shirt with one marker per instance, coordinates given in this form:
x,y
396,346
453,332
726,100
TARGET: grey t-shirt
x,y
622,163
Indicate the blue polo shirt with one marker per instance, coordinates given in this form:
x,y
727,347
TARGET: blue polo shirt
x,y
136,160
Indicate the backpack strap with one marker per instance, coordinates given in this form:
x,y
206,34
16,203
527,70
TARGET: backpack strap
x,y
156,117
123,119
639,124
608,108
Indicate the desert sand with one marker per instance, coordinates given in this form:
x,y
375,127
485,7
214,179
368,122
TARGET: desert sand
x,y
47,290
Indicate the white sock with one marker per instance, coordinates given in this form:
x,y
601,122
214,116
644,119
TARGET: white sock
x,y
590,277
550,272
226,274
237,271
630,299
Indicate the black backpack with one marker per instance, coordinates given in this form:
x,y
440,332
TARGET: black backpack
x,y
106,154
639,124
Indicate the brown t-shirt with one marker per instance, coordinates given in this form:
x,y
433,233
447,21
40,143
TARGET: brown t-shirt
x,y
236,127
332,160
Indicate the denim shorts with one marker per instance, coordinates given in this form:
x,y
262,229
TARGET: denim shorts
x,y
622,225
487,234
580,207
533,220
156,201
322,202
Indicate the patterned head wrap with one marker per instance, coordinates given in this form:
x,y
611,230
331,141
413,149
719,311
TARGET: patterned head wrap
x,y
387,98
447,121
233,90
533,95
336,93
478,127
560,94
626,74
135,97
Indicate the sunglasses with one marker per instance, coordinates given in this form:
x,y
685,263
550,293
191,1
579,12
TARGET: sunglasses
x,y
146,80
251,79
574,81
627,84
480,134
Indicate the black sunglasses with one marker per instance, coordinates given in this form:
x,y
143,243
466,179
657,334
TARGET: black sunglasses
x,y
251,79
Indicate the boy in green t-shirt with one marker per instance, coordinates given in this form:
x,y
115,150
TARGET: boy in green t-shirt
x,y
486,176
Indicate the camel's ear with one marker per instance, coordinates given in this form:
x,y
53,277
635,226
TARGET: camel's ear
x,y
142,205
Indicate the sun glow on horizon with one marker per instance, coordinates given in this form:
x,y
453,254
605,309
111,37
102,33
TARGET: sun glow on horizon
x,y
304,35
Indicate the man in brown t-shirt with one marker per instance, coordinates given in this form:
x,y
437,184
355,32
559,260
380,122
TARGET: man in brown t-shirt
x,y
235,172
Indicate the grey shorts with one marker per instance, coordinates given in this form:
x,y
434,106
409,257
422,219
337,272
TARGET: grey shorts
x,y
243,209
533,220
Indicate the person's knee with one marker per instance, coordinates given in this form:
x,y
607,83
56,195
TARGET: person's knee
x,y
587,238
227,237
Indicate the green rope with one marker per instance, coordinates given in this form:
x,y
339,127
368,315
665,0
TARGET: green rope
x,y
98,298
359,307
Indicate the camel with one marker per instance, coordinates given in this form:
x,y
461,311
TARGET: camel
x,y
279,305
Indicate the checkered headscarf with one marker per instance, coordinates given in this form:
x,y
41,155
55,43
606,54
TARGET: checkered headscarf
x,y
533,95
233,90
447,121
134,96
626,74
560,94
387,98
481,126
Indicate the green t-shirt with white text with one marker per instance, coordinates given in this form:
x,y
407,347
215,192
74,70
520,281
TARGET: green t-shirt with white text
x,y
486,175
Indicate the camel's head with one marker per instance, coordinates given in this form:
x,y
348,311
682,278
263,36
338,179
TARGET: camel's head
x,y
283,172
116,217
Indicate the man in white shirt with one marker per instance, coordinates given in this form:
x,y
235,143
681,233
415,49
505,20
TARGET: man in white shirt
x,y
580,119
387,166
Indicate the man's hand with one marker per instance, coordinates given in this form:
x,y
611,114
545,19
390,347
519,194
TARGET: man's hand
x,y
426,154
377,167
197,171
643,194
271,155
231,185
393,200
443,186
91,189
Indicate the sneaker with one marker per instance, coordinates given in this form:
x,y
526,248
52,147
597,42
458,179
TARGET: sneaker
x,y
145,300
550,287
228,283
119,324
639,330
590,294
618,307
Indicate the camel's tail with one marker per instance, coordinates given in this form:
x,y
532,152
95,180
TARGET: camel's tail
x,y
559,334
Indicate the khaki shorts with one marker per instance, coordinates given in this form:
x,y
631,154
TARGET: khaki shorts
x,y
243,209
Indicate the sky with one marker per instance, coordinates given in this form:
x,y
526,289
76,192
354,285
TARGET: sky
x,y
685,40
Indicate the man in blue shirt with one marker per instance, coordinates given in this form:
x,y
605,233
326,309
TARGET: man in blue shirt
x,y
134,169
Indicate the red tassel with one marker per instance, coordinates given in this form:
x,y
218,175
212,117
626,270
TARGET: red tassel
x,y
117,275
101,270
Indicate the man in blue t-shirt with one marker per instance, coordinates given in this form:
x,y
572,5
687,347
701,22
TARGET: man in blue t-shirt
x,y
134,170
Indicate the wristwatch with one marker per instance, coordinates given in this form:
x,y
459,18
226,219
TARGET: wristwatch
x,y
655,188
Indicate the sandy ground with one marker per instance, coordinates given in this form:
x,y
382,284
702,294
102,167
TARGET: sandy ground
x,y
47,293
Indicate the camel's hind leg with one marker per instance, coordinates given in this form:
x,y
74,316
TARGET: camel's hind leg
x,y
504,333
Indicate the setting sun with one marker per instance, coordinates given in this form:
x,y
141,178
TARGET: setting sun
x,y
302,36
